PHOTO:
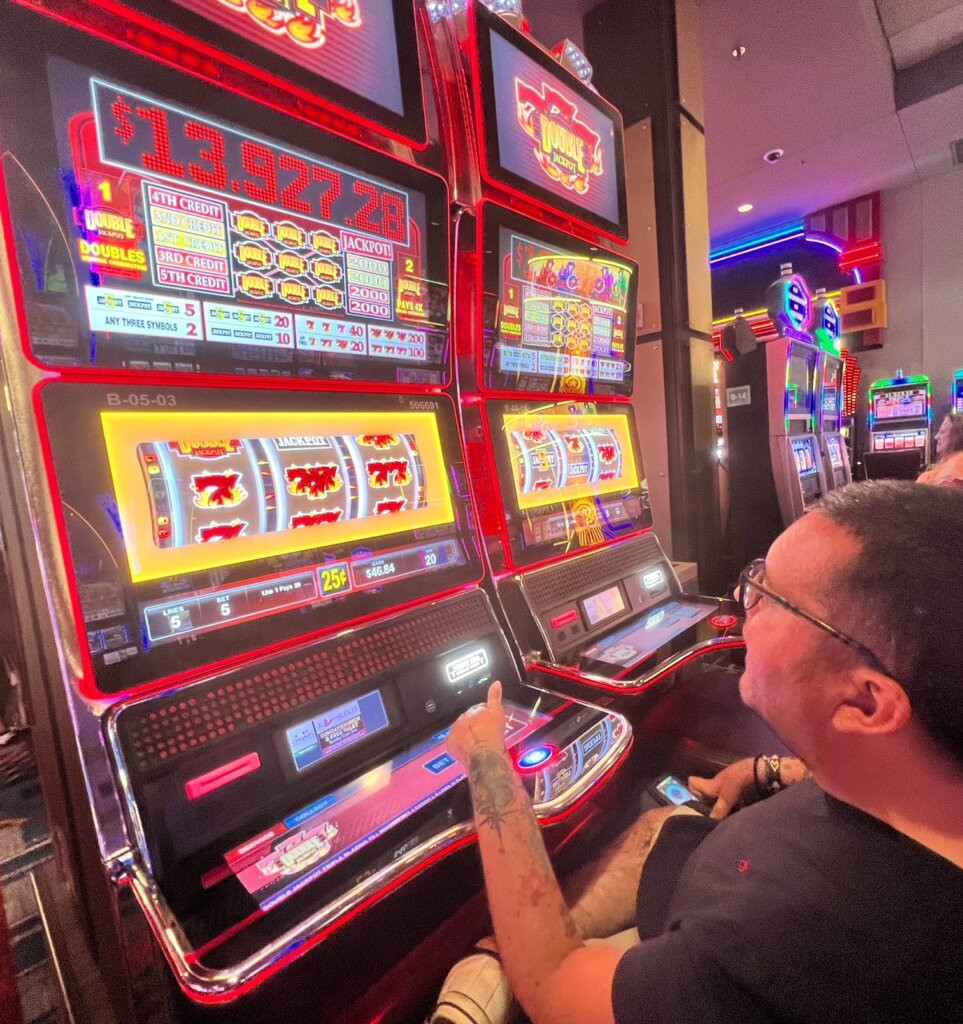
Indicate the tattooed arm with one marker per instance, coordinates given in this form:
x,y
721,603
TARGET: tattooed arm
x,y
555,977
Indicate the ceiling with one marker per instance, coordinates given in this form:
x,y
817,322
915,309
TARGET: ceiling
x,y
816,80
821,88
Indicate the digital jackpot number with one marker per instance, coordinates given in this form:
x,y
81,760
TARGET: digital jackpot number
x,y
161,140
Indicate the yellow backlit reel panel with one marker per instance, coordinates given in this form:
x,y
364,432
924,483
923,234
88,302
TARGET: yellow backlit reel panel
x,y
566,457
198,490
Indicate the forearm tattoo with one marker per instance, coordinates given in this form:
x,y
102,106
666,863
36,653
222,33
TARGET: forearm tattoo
x,y
493,787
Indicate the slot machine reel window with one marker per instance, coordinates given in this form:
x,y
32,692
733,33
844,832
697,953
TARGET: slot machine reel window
x,y
156,236
360,55
570,476
205,522
563,319
547,137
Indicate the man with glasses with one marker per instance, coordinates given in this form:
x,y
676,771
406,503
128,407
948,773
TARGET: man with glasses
x,y
840,899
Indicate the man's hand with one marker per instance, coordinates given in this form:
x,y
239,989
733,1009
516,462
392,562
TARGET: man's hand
x,y
480,726
733,784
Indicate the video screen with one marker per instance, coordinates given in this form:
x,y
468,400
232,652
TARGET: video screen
x,y
900,403
564,315
546,134
335,730
273,483
603,605
360,55
312,840
634,643
800,382
204,522
570,476
156,236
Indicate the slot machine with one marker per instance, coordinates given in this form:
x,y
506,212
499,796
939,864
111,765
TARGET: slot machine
x,y
545,327
956,392
833,449
775,470
236,505
900,411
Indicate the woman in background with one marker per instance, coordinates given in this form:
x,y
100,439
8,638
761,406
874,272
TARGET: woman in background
x,y
948,470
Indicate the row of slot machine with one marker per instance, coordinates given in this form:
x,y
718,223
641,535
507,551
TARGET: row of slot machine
x,y
275,516
784,415
901,420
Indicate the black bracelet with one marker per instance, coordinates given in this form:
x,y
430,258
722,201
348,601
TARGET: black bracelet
x,y
762,790
774,781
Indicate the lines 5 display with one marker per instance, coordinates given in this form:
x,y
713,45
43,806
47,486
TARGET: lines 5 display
x,y
195,490
195,244
279,512
564,320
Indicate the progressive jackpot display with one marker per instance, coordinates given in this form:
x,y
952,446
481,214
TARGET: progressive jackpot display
x,y
191,243
564,316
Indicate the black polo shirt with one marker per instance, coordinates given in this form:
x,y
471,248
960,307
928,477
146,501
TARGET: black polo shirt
x,y
797,909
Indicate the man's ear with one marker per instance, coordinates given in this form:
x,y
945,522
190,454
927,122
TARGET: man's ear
x,y
871,703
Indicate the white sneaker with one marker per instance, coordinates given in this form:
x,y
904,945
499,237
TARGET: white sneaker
x,y
476,991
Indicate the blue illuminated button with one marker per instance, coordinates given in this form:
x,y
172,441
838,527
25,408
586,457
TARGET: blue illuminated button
x,y
535,757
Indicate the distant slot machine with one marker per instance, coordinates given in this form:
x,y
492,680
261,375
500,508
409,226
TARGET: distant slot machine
x,y
772,408
956,392
545,316
833,447
900,411
246,553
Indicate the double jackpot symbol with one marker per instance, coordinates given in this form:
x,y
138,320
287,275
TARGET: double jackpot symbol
x,y
566,148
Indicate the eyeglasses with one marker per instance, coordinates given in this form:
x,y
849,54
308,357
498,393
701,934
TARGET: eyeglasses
x,y
751,589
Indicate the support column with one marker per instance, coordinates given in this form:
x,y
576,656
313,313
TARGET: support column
x,y
647,60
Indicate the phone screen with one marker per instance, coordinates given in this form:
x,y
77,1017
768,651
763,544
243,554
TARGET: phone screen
x,y
674,791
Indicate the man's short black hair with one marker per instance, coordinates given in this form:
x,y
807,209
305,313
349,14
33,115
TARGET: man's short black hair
x,y
904,589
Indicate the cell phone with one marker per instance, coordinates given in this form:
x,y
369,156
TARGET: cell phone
x,y
669,790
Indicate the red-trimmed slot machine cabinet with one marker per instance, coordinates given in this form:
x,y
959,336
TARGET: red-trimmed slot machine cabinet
x,y
545,338
248,570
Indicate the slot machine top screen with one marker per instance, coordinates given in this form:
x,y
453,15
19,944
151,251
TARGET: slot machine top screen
x,y
203,523
800,384
358,55
156,236
907,402
558,314
547,137
570,476
831,399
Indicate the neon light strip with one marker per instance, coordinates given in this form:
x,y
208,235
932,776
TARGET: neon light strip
x,y
754,244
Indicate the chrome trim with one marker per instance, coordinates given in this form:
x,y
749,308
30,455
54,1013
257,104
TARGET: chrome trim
x,y
664,668
226,983
46,563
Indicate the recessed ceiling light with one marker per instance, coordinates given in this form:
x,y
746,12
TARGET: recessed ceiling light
x,y
738,51
745,208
